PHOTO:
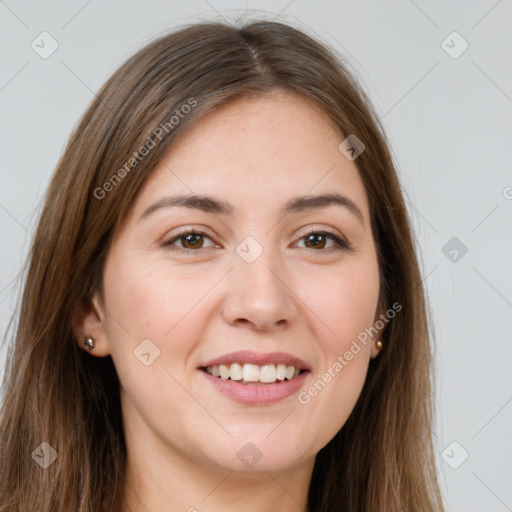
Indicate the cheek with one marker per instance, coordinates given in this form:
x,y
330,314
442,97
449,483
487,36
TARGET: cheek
x,y
146,302
345,309
331,396
150,300
344,303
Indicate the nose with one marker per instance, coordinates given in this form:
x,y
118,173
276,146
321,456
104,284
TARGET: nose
x,y
260,295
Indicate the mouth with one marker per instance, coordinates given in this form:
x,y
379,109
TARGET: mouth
x,y
252,374
256,378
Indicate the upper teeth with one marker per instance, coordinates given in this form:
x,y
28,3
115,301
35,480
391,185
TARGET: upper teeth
x,y
254,373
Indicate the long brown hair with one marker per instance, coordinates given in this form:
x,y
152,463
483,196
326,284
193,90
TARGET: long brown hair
x,y
381,460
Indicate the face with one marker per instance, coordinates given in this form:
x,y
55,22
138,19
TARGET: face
x,y
253,281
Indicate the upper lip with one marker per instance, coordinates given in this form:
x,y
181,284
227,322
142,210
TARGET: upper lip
x,y
258,358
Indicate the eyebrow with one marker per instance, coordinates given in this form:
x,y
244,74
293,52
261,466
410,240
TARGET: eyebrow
x,y
217,206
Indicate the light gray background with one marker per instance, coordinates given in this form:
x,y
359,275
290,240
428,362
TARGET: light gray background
x,y
450,124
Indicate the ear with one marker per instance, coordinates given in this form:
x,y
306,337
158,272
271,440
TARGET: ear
x,y
89,320
380,323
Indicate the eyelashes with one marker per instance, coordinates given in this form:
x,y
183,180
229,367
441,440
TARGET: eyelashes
x,y
192,241
191,236
339,244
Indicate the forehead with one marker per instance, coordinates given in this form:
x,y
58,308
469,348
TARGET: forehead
x,y
258,152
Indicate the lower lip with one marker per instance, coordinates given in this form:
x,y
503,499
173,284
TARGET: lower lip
x,y
257,394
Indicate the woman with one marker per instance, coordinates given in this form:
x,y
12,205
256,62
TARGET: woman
x,y
223,306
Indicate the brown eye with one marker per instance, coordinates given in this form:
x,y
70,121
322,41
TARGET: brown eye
x,y
316,241
192,241
320,240
189,241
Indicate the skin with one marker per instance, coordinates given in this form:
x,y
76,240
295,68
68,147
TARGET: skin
x,y
308,300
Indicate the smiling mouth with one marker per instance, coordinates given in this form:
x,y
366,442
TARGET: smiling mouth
x,y
254,374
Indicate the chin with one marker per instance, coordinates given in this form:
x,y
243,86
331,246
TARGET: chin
x,y
257,453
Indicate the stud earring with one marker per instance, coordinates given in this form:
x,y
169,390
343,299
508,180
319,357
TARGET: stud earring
x,y
89,342
379,345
